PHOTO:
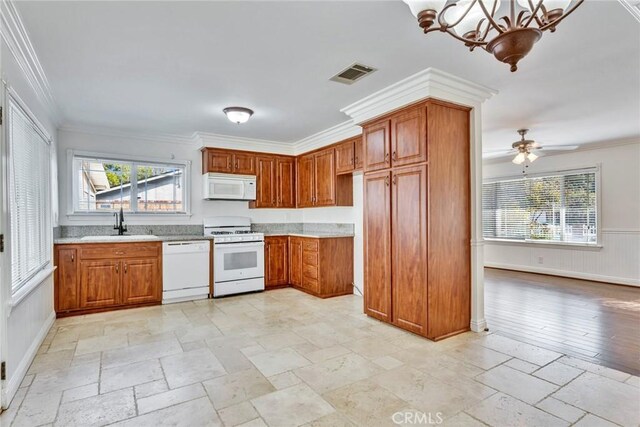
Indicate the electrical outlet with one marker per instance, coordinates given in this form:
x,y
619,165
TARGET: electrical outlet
x,y
540,260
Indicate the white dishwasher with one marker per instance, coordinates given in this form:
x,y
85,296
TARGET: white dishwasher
x,y
185,270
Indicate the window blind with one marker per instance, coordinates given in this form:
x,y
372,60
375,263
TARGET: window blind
x,y
560,207
28,164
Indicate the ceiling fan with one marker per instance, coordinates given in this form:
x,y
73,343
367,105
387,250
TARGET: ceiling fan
x,y
525,149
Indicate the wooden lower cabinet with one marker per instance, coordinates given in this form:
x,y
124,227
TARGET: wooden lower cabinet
x,y
276,261
99,277
321,267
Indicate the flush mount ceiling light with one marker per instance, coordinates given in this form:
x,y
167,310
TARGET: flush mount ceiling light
x,y
238,114
509,34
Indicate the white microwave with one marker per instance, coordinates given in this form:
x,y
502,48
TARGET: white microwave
x,y
221,186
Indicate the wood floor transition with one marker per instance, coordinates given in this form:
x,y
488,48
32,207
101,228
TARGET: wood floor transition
x,y
594,321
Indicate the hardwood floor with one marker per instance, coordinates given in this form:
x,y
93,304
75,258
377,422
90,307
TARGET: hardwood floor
x,y
594,321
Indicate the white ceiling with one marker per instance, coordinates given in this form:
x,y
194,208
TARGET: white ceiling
x,y
172,66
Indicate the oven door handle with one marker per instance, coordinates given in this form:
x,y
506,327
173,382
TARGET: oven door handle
x,y
234,245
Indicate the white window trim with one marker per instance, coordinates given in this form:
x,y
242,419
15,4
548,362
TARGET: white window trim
x,y
73,185
575,245
39,276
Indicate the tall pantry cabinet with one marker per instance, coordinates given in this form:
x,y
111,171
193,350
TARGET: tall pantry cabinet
x,y
417,218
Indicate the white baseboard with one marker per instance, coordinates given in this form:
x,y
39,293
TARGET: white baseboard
x,y
478,325
11,386
565,273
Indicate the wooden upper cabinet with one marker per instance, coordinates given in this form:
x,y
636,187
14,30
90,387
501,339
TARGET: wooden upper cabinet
x,y
286,182
377,245
244,163
357,153
295,261
266,182
99,283
409,137
67,295
325,178
409,247
220,161
140,278
276,254
305,181
345,157
376,144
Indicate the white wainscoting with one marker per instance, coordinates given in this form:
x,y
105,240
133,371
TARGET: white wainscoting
x,y
617,261
27,326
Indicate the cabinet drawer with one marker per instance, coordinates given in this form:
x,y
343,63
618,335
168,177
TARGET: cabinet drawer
x,y
120,251
310,258
309,272
310,284
310,245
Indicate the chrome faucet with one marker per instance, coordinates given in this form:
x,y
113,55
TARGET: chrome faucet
x,y
120,223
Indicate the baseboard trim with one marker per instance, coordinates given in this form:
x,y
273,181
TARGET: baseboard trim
x,y
14,383
478,325
564,273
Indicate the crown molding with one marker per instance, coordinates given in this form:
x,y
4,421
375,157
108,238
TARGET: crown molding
x,y
15,35
238,143
160,138
424,84
633,6
328,136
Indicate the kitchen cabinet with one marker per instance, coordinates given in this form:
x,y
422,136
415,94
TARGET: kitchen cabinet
x,y
228,161
276,261
321,267
376,145
417,220
275,180
349,156
103,276
285,182
266,182
318,184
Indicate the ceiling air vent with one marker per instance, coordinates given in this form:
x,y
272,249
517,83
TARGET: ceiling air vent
x,y
352,74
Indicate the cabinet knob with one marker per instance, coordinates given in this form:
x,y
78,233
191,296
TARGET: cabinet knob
x,y
394,157
386,157
73,258
118,268
236,164
125,267
386,180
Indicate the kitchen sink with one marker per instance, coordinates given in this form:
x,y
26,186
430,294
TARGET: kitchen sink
x,y
123,237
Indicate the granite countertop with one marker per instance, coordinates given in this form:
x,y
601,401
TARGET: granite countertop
x,y
130,239
312,234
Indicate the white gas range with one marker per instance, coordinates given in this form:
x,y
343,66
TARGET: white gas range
x,y
238,255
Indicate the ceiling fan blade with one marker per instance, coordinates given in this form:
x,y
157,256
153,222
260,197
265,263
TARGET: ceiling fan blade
x,y
559,147
498,154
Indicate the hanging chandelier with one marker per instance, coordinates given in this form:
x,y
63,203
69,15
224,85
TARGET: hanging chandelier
x,y
508,33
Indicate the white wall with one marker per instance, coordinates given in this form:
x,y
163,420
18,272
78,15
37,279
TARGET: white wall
x,y
618,260
28,322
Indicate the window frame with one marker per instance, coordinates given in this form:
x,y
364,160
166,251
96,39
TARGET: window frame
x,y
596,169
72,200
37,277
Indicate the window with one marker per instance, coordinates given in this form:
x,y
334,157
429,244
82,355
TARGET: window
x,y
548,208
28,187
106,185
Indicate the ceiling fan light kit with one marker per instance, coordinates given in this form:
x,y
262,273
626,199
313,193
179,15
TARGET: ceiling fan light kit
x,y
508,33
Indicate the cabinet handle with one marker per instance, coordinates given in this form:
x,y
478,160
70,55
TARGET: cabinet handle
x,y
119,253
229,166
125,267
236,164
118,268
355,159
394,157
386,180
274,201
73,258
386,157
394,180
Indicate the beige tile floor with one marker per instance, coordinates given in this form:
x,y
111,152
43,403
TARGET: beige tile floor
x,y
283,358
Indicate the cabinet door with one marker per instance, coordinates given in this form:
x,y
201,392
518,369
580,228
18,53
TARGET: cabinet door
x,y
345,161
217,161
141,281
325,178
244,163
305,181
276,261
286,183
99,283
357,153
266,181
67,279
295,261
376,146
409,137
377,245
409,247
